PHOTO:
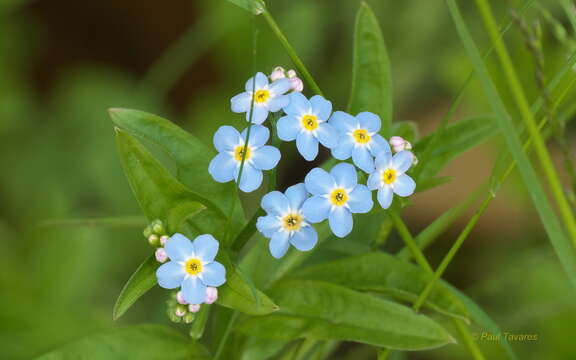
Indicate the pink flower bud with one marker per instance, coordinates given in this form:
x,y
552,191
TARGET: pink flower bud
x,y
296,84
277,73
194,308
211,295
163,240
291,73
180,311
161,255
180,298
399,144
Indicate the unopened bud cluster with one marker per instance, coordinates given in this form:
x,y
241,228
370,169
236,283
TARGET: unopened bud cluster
x,y
400,144
295,82
181,311
155,233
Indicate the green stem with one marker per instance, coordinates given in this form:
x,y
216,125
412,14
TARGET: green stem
x,y
469,341
225,336
528,118
291,53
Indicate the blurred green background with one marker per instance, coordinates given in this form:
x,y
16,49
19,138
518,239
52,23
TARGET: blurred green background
x,y
63,63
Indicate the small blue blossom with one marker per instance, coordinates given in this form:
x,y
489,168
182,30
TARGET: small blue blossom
x,y
285,223
359,138
390,178
191,267
230,145
267,97
307,122
336,196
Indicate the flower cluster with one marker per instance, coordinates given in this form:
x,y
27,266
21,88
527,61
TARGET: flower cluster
x,y
333,195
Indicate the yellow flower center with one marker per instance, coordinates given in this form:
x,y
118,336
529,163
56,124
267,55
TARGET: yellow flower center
x,y
361,136
310,122
193,266
292,222
339,197
239,152
389,176
261,96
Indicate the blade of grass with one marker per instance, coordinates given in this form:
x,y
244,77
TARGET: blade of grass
x,y
528,118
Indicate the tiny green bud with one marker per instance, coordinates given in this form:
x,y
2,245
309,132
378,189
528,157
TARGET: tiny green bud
x,y
181,310
189,317
147,232
158,229
153,240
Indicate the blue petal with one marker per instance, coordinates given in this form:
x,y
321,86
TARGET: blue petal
x,y
307,145
344,148
343,122
360,200
383,160
279,87
344,175
296,195
265,158
179,248
226,138
288,127
379,145
206,247
340,221
223,167
316,209
267,225
277,103
321,107
298,105
363,159
402,161
305,239
327,135
241,102
170,275
374,180
319,182
404,185
279,244
369,121
261,81
251,178
275,203
193,290
260,114
385,197
259,135
213,274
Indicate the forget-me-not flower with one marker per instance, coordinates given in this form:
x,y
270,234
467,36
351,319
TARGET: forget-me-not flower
x,y
336,196
390,178
230,145
307,122
267,97
359,138
285,223
191,267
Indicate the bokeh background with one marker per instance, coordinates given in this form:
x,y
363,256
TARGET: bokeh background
x,y
64,62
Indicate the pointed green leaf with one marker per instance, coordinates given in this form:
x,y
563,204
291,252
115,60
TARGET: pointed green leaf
x,y
141,342
253,6
320,310
142,280
371,76
384,273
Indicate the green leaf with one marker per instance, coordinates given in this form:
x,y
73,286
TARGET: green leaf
x,y
253,6
160,196
141,342
405,129
455,140
191,158
384,273
142,280
320,310
237,294
371,76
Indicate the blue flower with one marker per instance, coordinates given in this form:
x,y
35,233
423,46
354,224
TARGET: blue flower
x,y
307,122
284,223
389,177
336,196
359,138
191,267
267,97
230,145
